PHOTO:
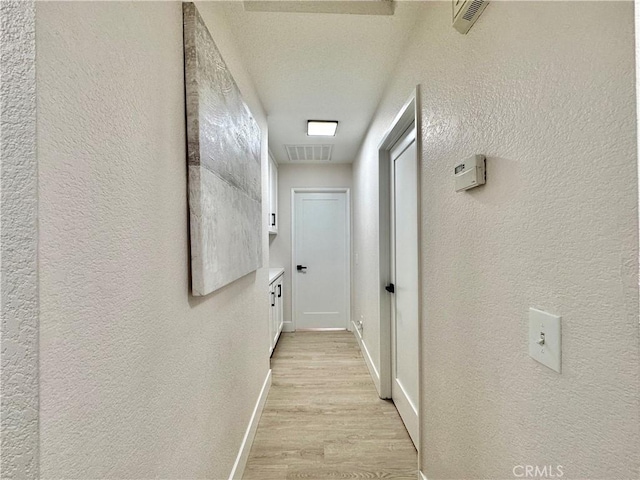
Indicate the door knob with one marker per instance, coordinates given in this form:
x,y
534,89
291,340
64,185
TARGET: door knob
x,y
391,288
300,267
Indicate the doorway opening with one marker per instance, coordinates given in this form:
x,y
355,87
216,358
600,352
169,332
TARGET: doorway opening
x,y
400,263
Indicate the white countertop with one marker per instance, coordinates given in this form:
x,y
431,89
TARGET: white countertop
x,y
275,273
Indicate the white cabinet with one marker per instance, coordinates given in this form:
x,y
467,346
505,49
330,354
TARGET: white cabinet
x,y
276,309
273,196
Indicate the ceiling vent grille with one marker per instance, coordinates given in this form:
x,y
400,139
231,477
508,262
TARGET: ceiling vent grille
x,y
366,7
309,153
466,12
473,9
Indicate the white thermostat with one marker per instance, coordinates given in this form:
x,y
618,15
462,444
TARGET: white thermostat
x,y
471,172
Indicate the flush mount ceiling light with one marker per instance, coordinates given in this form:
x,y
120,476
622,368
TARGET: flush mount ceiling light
x,y
325,128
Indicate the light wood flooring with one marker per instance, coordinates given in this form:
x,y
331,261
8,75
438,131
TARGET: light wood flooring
x,y
323,418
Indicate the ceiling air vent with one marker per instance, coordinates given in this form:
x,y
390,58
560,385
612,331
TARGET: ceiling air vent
x,y
366,7
309,153
466,12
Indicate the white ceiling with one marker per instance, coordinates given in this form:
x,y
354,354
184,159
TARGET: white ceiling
x,y
319,66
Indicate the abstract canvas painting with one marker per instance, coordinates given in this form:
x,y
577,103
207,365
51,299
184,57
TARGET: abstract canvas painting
x,y
223,143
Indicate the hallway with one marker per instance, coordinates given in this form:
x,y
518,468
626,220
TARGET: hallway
x,y
323,418
151,162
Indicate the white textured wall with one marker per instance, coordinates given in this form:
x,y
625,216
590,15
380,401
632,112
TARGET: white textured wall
x,y
636,8
303,176
138,378
19,275
546,91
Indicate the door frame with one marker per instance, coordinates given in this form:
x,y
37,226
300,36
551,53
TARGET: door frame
x,y
347,192
408,114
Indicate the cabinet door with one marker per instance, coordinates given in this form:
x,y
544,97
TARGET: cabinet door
x,y
272,316
270,198
276,313
280,302
273,196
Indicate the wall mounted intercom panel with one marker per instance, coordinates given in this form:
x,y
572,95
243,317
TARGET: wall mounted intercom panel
x,y
471,173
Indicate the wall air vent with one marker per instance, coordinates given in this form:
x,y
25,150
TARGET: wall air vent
x,y
466,12
309,153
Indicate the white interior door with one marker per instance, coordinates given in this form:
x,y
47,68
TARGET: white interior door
x,y
321,260
404,273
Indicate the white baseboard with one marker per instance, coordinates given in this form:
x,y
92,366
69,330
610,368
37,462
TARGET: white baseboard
x,y
373,371
288,327
422,476
245,447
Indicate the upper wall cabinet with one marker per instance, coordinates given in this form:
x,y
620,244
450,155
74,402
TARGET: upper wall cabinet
x,y
273,196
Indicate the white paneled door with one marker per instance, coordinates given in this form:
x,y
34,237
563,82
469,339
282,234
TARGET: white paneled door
x,y
321,277
404,274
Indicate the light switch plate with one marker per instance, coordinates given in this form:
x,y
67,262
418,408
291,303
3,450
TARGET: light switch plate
x,y
543,325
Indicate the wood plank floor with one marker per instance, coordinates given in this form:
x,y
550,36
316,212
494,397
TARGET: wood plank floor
x,y
323,418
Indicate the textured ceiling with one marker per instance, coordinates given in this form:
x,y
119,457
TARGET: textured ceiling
x,y
320,66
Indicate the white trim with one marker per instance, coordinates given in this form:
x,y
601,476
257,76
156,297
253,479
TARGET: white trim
x,y
373,371
245,447
347,192
287,327
421,239
328,329
422,475
408,114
